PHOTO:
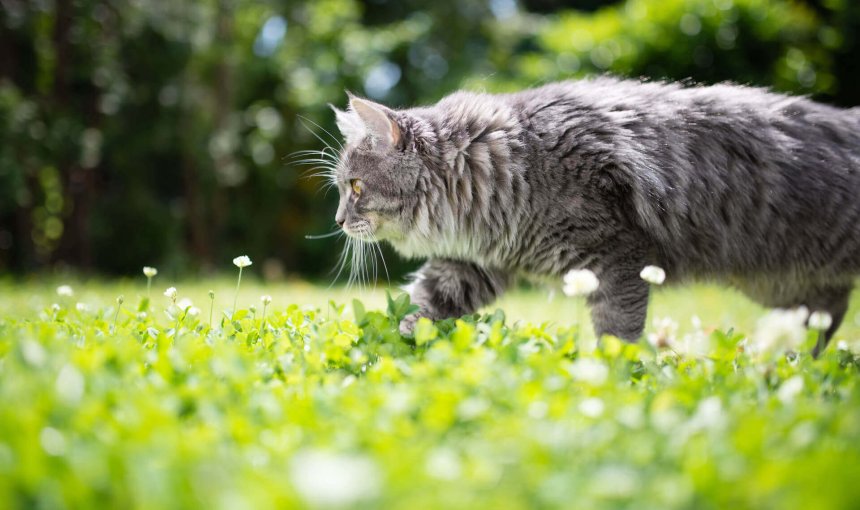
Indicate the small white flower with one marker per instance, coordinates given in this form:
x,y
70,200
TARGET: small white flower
x,y
149,272
242,261
580,282
70,384
81,307
33,353
55,307
193,311
842,345
170,293
692,345
444,464
589,370
52,441
665,331
820,321
696,322
790,389
324,478
65,290
266,299
780,330
184,303
653,274
592,407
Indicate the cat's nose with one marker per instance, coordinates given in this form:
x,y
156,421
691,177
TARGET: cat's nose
x,y
340,222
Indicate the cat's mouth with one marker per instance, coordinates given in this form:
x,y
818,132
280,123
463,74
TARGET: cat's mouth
x,y
362,230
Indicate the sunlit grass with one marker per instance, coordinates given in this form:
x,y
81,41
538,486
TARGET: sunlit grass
x,y
315,400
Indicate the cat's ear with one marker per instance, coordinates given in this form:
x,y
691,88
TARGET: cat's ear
x,y
350,125
377,119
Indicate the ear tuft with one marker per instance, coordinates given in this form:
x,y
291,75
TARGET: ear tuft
x,y
376,118
350,125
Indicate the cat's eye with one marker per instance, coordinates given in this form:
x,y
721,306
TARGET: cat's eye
x,y
357,186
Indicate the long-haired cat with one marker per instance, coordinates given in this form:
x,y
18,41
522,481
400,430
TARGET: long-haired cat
x,y
736,184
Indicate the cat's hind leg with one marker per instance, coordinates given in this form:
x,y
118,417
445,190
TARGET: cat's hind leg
x,y
444,288
817,297
834,301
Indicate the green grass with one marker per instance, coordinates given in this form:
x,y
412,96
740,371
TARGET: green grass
x,y
326,405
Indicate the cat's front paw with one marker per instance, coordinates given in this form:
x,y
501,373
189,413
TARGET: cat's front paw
x,y
407,325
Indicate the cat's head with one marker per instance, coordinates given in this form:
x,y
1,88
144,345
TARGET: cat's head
x,y
377,171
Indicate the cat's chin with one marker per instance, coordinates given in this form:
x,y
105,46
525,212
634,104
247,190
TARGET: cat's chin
x,y
360,235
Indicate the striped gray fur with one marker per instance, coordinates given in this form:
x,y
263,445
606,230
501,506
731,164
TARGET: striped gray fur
x,y
734,184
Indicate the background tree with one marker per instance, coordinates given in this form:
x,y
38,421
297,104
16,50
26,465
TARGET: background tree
x,y
154,131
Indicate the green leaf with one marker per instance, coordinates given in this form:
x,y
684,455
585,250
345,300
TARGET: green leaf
x,y
425,331
358,311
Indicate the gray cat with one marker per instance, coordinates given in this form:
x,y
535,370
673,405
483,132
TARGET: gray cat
x,y
735,184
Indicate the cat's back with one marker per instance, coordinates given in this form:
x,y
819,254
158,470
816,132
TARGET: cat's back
x,y
730,178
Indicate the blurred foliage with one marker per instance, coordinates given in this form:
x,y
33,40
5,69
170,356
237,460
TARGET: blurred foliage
x,y
156,131
109,406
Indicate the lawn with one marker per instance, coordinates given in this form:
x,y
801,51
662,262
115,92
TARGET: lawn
x,y
321,403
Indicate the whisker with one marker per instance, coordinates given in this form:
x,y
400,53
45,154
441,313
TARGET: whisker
x,y
324,131
342,262
323,236
318,137
381,257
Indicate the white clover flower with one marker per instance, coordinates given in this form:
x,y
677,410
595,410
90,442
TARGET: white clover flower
x,y
149,272
170,293
266,299
53,441
324,478
33,353
653,274
242,261
70,384
692,345
592,407
65,291
580,282
589,370
780,330
444,464
789,389
665,331
820,321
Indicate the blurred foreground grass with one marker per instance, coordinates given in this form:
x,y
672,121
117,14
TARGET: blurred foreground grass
x,y
327,406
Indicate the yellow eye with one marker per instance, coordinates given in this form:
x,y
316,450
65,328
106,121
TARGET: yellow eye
x,y
357,186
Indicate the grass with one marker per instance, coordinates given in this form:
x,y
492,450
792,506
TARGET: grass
x,y
325,405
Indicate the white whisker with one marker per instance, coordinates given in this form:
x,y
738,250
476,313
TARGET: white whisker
x,y
324,131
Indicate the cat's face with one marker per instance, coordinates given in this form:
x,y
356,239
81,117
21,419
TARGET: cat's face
x,y
375,176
